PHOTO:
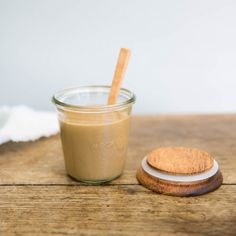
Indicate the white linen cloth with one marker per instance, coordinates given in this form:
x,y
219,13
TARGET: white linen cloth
x,y
22,123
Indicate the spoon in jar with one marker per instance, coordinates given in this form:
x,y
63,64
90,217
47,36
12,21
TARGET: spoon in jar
x,y
121,66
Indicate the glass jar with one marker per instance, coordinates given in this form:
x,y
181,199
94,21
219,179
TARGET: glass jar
x,y
94,136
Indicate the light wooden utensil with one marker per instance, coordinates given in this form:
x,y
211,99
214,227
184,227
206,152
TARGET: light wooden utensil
x,y
119,74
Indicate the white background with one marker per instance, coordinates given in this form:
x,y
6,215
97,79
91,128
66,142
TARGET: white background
x,y
183,52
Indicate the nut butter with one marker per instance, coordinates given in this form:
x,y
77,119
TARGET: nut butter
x,y
94,136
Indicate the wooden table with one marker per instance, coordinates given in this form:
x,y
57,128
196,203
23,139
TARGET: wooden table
x,y
38,198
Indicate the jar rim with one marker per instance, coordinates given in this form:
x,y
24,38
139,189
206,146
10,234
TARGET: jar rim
x,y
58,95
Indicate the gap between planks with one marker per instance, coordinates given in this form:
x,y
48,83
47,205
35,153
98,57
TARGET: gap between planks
x,y
84,185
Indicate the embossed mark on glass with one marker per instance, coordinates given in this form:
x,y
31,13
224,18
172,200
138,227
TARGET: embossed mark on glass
x,y
94,135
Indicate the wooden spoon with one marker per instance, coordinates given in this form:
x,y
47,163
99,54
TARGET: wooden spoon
x,y
119,74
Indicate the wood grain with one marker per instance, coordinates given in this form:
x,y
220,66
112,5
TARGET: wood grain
x,y
177,188
37,198
41,162
117,210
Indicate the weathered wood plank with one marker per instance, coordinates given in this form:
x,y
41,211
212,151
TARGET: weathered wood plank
x,y
114,210
41,162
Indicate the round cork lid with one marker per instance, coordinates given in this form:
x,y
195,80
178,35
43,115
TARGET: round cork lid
x,y
180,160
